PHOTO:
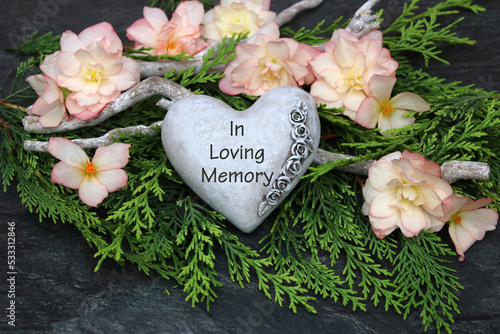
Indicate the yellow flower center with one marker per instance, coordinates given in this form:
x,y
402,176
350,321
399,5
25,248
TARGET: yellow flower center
x,y
458,219
387,110
235,19
90,167
354,79
92,75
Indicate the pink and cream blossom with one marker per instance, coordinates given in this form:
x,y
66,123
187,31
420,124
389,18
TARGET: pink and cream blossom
x,y
50,105
181,34
95,178
344,70
237,17
380,109
405,191
468,222
267,61
92,69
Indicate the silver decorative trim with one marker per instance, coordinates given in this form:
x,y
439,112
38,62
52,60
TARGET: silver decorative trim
x,y
302,146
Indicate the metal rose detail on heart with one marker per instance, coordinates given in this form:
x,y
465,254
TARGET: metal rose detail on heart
x,y
301,148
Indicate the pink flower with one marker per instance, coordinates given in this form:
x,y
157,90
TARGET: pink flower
x,y
468,223
91,66
405,191
379,108
50,105
94,179
267,61
181,34
237,17
346,67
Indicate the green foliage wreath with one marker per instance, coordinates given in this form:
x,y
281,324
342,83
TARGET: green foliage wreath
x,y
320,244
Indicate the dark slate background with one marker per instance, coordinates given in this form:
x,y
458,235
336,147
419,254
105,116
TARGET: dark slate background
x,y
57,290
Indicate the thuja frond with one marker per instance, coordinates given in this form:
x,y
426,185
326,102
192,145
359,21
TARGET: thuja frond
x,y
288,251
143,55
223,55
199,227
171,5
314,36
425,282
332,215
448,7
38,46
422,33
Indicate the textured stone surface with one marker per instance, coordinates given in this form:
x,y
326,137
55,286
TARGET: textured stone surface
x,y
232,159
59,292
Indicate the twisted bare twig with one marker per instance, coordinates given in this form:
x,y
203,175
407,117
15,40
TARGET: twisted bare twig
x,y
144,89
451,171
363,22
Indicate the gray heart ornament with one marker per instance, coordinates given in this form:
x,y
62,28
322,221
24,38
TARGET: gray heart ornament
x,y
243,164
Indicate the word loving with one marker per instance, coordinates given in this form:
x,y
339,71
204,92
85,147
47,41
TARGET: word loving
x,y
236,153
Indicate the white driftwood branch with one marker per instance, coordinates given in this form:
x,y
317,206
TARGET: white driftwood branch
x,y
451,171
106,139
363,22
109,137
144,89
288,14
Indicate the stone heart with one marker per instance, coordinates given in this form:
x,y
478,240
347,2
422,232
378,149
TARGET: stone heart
x,y
243,163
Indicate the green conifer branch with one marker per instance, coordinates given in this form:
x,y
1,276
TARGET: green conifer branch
x,y
424,281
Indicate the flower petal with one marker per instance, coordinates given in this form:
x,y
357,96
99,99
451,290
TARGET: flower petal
x,y
37,82
381,173
67,175
54,116
155,17
381,87
473,205
71,42
194,10
368,113
409,101
395,121
461,238
380,208
413,221
113,179
325,93
67,151
353,99
113,156
451,205
477,222
98,32
92,192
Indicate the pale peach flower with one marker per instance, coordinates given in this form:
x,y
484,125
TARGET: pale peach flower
x,y
237,17
379,108
91,66
345,68
50,105
468,223
94,178
181,34
405,191
267,61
